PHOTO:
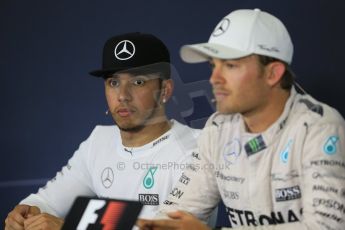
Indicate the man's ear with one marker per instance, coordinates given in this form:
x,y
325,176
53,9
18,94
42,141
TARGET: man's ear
x,y
274,72
167,90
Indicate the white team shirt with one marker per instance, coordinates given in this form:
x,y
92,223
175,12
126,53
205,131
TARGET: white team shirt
x,y
103,167
291,176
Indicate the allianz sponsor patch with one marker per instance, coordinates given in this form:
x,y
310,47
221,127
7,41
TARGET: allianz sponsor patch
x,y
149,199
285,194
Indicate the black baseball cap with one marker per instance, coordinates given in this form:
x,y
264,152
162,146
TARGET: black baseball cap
x,y
134,52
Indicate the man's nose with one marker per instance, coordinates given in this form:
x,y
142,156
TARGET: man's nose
x,y
216,75
124,93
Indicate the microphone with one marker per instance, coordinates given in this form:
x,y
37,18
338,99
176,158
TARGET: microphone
x,y
213,100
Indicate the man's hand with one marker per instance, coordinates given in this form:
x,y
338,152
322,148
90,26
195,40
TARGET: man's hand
x,y
43,221
15,219
179,221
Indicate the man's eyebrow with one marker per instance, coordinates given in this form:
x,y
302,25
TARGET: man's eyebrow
x,y
133,76
139,75
115,75
148,75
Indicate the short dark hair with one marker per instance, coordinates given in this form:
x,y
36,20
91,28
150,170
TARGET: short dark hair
x,y
288,77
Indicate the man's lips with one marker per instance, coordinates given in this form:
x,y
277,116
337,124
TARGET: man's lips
x,y
220,95
124,112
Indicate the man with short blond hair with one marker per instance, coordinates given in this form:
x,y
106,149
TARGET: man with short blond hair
x,y
275,157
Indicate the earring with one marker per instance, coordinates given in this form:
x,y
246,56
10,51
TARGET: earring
x,y
107,112
164,101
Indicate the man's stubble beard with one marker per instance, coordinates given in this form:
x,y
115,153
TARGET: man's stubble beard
x,y
139,127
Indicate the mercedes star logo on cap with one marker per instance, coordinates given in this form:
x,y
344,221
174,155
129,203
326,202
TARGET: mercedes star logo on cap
x,y
124,50
222,27
107,177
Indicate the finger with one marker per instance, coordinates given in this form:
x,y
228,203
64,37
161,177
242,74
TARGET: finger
x,y
34,222
44,226
13,225
15,220
32,219
33,210
143,224
165,224
22,209
10,228
43,221
177,214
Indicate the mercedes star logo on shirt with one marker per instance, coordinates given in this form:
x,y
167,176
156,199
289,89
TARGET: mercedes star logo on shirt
x,y
222,27
107,177
124,50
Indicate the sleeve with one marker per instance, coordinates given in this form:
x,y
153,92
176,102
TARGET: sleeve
x,y
58,195
196,190
322,182
187,143
323,176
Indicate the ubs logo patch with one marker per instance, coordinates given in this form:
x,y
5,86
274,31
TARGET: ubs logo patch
x,y
184,179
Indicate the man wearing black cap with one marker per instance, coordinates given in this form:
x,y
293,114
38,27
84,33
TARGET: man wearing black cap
x,y
139,158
